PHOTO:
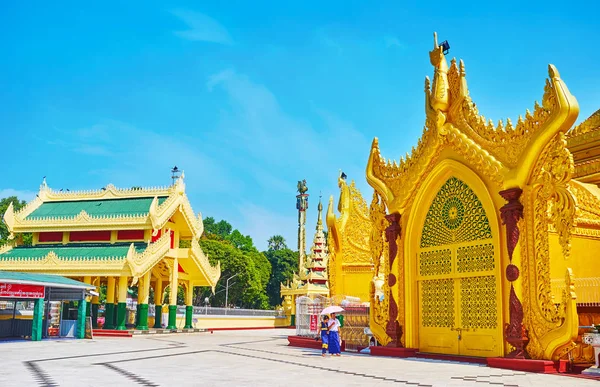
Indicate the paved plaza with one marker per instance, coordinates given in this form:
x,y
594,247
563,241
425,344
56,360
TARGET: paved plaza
x,y
234,358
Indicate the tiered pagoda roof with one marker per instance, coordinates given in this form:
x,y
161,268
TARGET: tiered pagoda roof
x,y
108,232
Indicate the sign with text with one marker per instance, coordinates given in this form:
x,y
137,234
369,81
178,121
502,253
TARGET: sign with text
x,y
21,291
314,320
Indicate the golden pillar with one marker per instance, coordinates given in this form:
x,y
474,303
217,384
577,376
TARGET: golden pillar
x,y
158,300
143,295
109,307
173,295
189,307
122,306
95,303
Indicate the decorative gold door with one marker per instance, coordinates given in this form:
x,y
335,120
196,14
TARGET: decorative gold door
x,y
459,286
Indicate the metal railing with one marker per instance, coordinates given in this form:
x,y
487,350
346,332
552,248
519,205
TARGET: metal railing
x,y
587,290
211,311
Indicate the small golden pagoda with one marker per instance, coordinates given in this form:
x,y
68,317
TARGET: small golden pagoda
x,y
485,237
117,237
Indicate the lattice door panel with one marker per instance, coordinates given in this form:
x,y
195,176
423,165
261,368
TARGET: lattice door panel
x,y
457,276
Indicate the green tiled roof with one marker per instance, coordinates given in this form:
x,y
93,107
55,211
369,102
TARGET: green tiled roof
x,y
16,277
72,251
107,207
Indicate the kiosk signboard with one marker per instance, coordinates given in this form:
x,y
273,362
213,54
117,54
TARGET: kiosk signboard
x,y
21,291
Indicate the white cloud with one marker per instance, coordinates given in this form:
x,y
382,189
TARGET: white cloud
x,y
21,195
201,28
126,155
261,224
392,41
274,149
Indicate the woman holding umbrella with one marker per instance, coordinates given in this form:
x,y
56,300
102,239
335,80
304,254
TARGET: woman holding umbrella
x,y
334,328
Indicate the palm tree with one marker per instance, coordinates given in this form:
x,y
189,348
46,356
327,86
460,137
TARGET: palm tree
x,y
276,242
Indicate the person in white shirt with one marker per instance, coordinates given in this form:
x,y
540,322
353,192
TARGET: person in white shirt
x,y
334,336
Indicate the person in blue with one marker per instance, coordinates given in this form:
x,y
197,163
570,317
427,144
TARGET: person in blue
x,y
334,336
324,335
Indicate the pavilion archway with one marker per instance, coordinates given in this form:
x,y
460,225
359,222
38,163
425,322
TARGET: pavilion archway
x,y
453,266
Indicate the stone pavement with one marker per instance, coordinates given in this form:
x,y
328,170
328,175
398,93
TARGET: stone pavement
x,y
234,358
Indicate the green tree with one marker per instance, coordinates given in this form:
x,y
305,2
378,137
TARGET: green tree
x,y
242,242
17,205
284,263
216,230
277,242
247,289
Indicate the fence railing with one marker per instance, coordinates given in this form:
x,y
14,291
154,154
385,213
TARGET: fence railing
x,y
587,290
211,311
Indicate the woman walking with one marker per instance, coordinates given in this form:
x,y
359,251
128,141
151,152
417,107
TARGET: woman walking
x,y
334,336
324,335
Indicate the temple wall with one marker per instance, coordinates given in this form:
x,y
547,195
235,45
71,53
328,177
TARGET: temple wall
x,y
583,259
356,285
216,322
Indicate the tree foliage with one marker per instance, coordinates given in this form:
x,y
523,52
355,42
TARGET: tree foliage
x,y
17,205
284,263
251,270
276,242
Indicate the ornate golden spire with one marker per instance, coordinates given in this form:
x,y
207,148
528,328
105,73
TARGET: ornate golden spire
x,y
439,91
319,219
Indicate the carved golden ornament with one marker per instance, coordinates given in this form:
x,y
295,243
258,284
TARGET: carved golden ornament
x,y
588,204
211,273
548,201
504,141
590,124
380,291
469,224
141,263
348,237
554,176
6,247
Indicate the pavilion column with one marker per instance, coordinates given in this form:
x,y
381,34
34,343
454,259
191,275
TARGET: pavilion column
x,y
173,296
189,307
81,310
143,296
109,308
88,310
158,300
37,323
95,304
122,306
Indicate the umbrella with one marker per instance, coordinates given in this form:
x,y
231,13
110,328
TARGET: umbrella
x,y
332,309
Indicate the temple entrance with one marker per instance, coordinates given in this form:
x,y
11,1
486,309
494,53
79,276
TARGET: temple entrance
x,y
458,281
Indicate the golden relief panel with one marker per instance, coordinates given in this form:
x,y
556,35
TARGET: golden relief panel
x,y
478,302
435,262
437,303
455,216
475,258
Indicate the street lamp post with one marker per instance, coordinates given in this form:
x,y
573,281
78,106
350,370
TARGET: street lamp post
x,y
227,291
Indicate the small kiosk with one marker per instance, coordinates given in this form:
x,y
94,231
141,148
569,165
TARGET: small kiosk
x,y
36,306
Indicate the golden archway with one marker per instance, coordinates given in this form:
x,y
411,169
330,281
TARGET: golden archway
x,y
453,266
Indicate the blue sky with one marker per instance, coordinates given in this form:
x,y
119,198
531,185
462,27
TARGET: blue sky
x,y
250,96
